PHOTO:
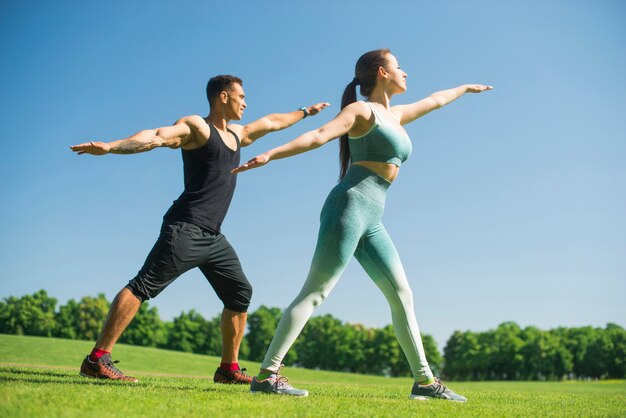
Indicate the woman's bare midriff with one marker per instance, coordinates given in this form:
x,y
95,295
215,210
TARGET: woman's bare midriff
x,y
387,171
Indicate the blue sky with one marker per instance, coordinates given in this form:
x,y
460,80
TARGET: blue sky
x,y
510,208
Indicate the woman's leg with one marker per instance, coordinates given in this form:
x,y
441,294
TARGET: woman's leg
x,y
340,230
379,258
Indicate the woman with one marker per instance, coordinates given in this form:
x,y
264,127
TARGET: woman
x,y
373,147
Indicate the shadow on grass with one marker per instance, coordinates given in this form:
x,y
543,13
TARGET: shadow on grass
x,y
46,376
34,372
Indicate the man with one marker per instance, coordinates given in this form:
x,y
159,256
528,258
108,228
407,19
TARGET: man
x,y
190,235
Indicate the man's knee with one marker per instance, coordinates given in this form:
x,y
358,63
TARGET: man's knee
x,y
141,296
239,300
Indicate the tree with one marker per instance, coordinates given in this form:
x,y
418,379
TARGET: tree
x,y
327,343
435,360
506,360
244,349
261,328
146,329
317,345
545,356
65,320
562,358
617,359
187,333
90,315
598,356
350,348
577,342
464,357
387,357
28,315
212,337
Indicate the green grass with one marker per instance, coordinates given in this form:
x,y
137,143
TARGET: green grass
x,y
39,377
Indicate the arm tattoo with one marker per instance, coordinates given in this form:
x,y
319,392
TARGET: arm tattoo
x,y
130,146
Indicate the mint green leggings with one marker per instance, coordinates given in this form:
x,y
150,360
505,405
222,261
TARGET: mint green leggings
x,y
351,225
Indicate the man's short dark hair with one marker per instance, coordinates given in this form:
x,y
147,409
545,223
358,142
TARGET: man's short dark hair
x,y
218,84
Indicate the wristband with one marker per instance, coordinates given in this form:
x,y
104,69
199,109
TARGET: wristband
x,y
306,112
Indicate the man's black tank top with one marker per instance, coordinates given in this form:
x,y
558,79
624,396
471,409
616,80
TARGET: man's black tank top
x,y
209,184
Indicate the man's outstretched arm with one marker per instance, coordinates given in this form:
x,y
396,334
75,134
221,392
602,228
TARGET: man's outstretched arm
x,y
174,136
275,122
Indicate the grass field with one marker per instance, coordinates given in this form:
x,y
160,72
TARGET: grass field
x,y
39,377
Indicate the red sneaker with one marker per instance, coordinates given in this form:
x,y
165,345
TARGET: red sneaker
x,y
235,376
104,368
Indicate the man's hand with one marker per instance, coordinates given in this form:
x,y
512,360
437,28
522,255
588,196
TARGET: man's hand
x,y
93,148
317,108
272,123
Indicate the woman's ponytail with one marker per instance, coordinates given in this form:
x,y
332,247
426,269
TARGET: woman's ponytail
x,y
349,97
366,71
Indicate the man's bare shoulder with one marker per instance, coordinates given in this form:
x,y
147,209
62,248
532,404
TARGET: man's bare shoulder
x,y
200,130
236,128
193,121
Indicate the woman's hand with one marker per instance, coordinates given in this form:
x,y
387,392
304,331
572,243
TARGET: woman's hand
x,y
477,88
256,162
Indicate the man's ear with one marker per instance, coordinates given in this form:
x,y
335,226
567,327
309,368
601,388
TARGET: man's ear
x,y
224,97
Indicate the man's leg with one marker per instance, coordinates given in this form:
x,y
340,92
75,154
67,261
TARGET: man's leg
x,y
158,271
233,326
223,271
99,364
122,311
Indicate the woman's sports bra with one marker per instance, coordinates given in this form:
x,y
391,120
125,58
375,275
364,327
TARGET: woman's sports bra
x,y
385,142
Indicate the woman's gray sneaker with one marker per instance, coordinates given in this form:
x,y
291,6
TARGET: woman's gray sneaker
x,y
276,383
435,390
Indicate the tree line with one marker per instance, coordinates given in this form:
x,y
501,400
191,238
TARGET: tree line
x,y
506,353
512,353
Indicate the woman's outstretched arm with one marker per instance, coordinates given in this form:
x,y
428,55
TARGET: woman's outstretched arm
x,y
337,127
408,113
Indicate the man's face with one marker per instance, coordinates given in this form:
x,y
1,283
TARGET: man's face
x,y
235,102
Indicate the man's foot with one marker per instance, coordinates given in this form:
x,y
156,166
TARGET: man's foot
x,y
276,383
104,368
435,390
233,376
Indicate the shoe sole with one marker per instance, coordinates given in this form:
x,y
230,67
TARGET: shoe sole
x,y
96,377
427,398
255,392
231,383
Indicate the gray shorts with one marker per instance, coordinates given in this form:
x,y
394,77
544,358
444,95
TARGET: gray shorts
x,y
182,246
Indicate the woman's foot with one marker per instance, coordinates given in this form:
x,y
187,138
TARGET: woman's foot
x,y
435,390
275,383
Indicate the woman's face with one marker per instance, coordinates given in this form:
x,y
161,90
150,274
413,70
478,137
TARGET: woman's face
x,y
396,77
